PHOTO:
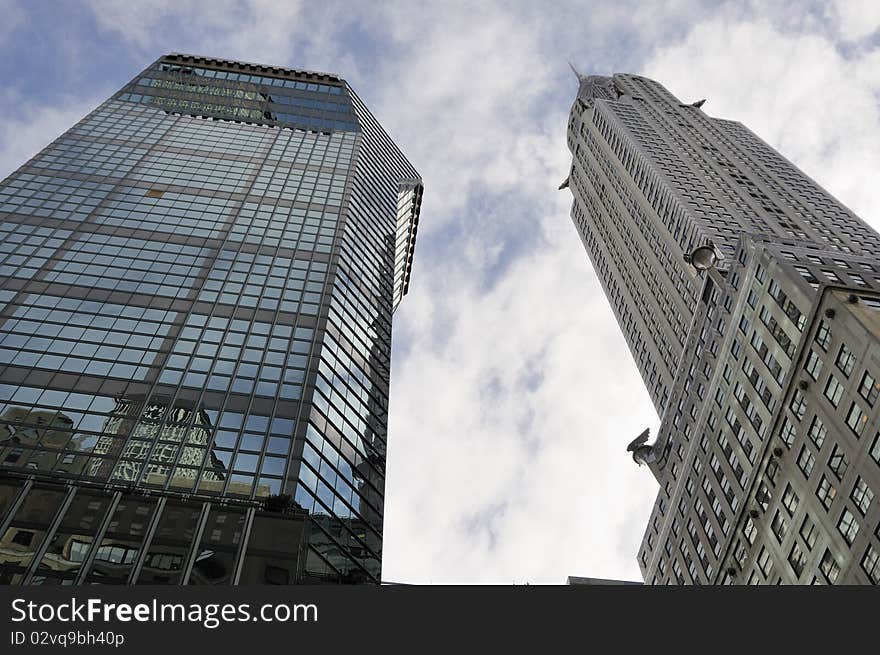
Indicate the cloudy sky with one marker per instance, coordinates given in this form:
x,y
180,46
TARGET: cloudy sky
x,y
513,394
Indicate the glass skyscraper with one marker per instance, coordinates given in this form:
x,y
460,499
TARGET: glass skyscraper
x,y
750,300
197,283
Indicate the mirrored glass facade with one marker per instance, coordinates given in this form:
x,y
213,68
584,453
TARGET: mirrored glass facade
x,y
197,283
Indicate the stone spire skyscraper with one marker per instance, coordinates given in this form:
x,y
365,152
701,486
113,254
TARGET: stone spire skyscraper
x,y
750,300
197,287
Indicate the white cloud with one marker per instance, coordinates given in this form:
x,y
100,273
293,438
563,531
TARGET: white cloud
x,y
257,31
504,411
141,23
857,19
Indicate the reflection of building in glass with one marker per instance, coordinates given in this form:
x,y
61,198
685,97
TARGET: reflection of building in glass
x,y
158,540
196,289
750,299
181,438
21,430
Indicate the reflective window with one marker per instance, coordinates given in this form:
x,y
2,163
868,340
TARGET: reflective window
x,y
274,550
71,542
215,558
118,551
129,264
25,534
82,336
171,544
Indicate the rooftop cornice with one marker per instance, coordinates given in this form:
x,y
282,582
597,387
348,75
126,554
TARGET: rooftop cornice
x,y
248,67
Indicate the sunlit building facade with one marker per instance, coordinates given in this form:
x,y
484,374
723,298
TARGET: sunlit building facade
x,y
750,300
197,283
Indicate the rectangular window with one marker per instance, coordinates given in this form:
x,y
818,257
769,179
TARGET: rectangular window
x,y
871,564
814,365
797,559
808,532
862,495
817,432
848,526
806,461
829,567
787,433
845,360
750,531
826,492
798,405
789,500
837,462
807,274
831,276
779,526
856,419
833,390
823,335
869,389
764,562
753,298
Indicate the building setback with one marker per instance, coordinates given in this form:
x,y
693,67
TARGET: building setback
x,y
197,283
762,357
